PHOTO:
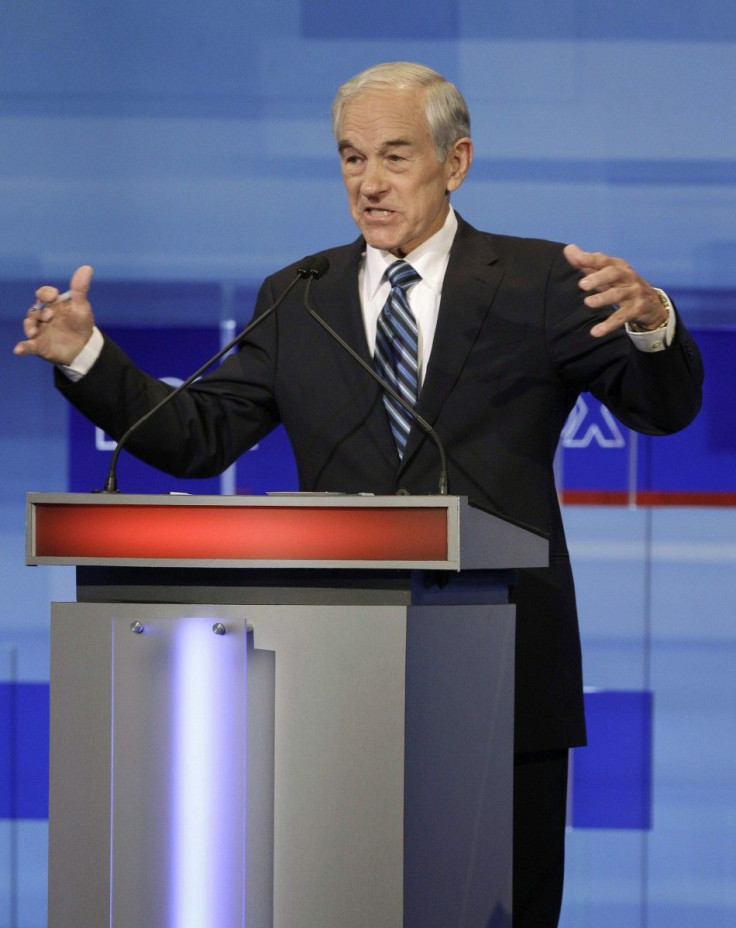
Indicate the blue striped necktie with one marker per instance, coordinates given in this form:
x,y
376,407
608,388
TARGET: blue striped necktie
x,y
397,350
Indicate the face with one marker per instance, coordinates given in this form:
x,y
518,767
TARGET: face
x,y
397,188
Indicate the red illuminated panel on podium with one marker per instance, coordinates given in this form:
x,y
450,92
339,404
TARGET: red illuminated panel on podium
x,y
248,533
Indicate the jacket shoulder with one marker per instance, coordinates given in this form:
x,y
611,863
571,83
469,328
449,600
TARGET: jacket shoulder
x,y
509,246
338,257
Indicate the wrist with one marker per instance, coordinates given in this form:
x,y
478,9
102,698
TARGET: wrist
x,y
656,325
83,361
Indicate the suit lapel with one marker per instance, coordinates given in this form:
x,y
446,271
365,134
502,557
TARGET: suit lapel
x,y
470,284
337,300
472,278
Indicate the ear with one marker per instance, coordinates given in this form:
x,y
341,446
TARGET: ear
x,y
458,163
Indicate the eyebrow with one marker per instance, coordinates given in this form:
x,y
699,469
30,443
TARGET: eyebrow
x,y
391,143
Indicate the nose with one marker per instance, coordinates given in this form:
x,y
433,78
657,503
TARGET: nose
x,y
375,179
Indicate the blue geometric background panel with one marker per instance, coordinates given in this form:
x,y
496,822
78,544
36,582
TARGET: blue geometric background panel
x,y
334,19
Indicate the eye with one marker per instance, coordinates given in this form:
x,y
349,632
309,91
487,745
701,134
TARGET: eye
x,y
350,158
352,165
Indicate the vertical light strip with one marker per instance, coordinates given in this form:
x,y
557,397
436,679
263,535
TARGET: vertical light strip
x,y
205,848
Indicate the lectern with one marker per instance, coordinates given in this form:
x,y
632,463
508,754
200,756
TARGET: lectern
x,y
290,711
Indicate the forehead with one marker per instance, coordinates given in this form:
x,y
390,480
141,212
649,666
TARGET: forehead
x,y
380,116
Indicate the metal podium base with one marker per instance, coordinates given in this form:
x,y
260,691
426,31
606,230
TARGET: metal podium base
x,y
296,766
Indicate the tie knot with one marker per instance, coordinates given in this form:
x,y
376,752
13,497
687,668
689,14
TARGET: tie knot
x,y
400,274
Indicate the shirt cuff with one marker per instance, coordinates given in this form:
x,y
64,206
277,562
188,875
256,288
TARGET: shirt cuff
x,y
658,339
83,362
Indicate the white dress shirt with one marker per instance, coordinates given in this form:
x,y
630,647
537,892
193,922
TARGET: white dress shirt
x,y
430,261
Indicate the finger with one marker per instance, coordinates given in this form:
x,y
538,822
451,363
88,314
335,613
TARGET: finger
x,y
585,260
46,294
612,275
590,261
608,296
30,326
80,283
41,312
579,259
598,260
28,347
614,321
604,279
574,255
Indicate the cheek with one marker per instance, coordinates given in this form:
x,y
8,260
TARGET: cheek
x,y
351,186
420,207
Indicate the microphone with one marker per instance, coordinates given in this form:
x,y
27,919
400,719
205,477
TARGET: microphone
x,y
314,267
320,267
310,269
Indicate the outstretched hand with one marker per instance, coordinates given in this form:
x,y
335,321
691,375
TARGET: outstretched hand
x,y
612,282
59,331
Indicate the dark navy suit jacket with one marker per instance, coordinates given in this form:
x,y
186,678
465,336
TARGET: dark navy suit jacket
x,y
512,351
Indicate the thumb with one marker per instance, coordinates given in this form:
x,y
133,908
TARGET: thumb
x,y
80,283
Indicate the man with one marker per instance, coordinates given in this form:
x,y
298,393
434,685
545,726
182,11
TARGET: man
x,y
508,333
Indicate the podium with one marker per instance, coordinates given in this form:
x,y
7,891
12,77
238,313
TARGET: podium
x,y
292,711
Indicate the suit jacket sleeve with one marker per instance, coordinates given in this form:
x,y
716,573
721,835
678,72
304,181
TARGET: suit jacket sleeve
x,y
206,428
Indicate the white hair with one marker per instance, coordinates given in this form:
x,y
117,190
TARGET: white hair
x,y
446,111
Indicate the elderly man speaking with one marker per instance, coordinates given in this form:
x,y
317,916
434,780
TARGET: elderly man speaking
x,y
496,338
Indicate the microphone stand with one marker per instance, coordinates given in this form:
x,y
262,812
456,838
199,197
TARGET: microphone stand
x,y
309,269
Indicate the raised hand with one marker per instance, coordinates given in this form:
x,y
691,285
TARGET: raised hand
x,y
59,330
613,282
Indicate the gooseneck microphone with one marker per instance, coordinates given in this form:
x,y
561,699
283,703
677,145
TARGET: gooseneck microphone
x,y
323,264
310,269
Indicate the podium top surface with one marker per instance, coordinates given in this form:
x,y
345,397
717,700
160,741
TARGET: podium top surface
x,y
284,531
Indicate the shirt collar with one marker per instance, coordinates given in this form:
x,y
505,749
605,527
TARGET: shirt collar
x,y
428,259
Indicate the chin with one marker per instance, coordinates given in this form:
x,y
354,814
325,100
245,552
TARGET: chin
x,y
384,242
385,239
